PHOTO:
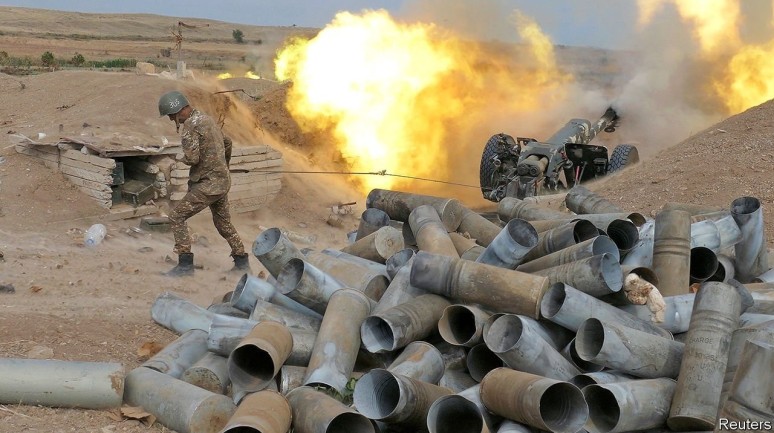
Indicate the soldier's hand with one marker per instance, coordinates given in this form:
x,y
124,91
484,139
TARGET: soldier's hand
x,y
179,156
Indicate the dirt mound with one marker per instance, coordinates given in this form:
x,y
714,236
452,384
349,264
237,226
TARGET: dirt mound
x,y
728,160
117,106
90,105
272,113
252,88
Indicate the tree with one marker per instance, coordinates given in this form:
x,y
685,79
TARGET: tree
x,y
47,59
238,36
78,59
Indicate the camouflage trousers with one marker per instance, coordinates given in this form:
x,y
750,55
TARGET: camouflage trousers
x,y
194,202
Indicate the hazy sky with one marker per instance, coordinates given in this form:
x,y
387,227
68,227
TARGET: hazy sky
x,y
599,23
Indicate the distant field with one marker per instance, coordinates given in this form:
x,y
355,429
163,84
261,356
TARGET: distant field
x,y
28,33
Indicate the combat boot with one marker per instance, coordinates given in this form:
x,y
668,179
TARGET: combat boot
x,y
241,263
185,266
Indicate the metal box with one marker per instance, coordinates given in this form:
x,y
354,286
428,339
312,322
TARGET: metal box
x,y
137,193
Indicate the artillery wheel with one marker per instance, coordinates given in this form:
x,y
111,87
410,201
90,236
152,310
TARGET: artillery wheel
x,y
487,168
623,156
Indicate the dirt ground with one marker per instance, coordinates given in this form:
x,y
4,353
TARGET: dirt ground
x,y
725,161
72,302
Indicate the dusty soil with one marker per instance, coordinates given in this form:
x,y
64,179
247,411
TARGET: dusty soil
x,y
93,304
725,161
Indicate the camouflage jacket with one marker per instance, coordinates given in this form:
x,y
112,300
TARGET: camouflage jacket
x,y
205,150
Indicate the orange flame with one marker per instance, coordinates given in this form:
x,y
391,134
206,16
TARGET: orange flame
x,y
405,97
739,73
249,74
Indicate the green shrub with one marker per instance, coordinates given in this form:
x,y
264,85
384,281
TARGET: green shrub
x,y
114,63
47,59
238,36
78,59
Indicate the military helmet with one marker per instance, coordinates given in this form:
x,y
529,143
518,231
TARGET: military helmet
x,y
172,103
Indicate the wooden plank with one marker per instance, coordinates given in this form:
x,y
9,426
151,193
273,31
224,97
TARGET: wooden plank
x,y
248,186
85,174
255,192
256,158
248,178
250,174
274,154
97,186
258,165
107,153
272,163
85,166
246,166
51,150
116,149
265,184
251,193
249,150
90,159
99,195
248,158
94,148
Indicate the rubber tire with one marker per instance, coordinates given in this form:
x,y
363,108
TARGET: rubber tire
x,y
623,156
487,168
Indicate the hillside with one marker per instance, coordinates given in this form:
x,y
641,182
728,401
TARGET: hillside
x,y
727,160
31,32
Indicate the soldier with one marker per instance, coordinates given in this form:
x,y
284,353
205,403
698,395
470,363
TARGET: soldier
x,y
208,153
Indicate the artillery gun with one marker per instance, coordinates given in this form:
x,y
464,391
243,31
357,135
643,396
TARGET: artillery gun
x,y
525,167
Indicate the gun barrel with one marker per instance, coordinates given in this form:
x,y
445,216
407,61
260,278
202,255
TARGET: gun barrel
x,y
581,131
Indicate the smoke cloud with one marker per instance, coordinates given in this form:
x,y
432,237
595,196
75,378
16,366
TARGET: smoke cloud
x,y
668,75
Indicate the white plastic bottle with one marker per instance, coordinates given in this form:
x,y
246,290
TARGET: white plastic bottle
x,y
94,235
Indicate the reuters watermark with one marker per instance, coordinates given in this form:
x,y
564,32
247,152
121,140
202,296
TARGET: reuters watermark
x,y
744,425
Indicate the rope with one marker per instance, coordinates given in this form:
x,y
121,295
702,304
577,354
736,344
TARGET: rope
x,y
367,173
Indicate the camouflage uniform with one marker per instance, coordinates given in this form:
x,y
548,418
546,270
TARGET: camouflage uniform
x,y
208,154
